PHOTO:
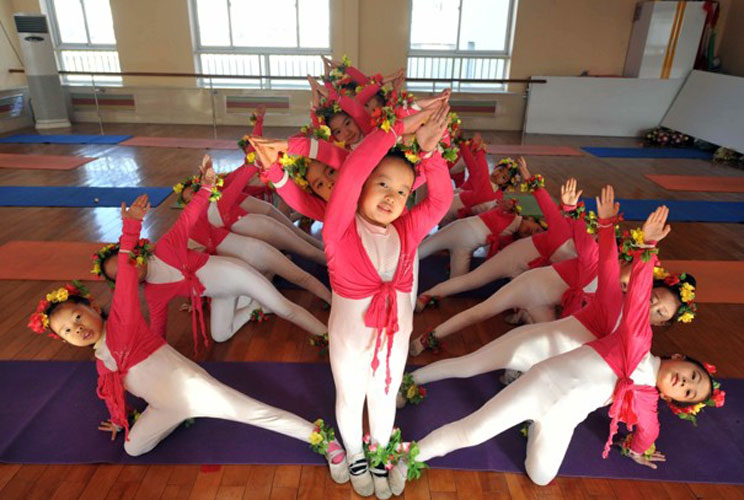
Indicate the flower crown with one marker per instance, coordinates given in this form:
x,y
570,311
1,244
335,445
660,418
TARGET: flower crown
x,y
39,320
685,290
630,243
195,181
338,76
515,178
716,400
296,167
327,108
142,251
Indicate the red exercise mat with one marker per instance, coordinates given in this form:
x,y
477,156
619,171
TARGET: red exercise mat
x,y
42,162
180,142
699,183
718,281
531,150
47,260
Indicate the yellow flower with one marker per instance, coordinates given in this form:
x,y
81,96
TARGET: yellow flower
x,y
687,292
340,144
45,320
250,157
358,89
412,391
318,423
287,160
301,182
140,260
524,187
686,317
660,273
345,60
412,157
386,126
637,235
96,269
220,181
325,131
59,295
316,438
178,188
696,409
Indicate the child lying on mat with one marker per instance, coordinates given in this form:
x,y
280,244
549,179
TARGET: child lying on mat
x,y
557,394
131,357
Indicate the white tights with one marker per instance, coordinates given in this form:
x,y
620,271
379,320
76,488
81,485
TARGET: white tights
x,y
177,389
518,349
266,258
461,238
264,227
538,291
255,206
225,279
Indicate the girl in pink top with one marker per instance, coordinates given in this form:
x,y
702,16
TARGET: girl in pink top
x,y
130,357
174,270
371,250
543,248
558,394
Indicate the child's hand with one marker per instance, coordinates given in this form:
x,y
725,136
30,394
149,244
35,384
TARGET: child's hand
x,y
430,134
523,170
268,149
327,65
137,210
205,164
108,426
569,195
638,458
260,111
606,206
411,123
478,142
433,102
655,228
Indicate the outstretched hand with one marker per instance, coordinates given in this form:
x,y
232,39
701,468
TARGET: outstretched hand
x,y
430,134
569,195
137,210
260,111
607,208
317,90
523,170
268,149
109,426
638,458
478,142
208,176
655,228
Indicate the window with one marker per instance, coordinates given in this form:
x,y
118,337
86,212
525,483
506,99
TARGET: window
x,y
459,40
271,40
84,39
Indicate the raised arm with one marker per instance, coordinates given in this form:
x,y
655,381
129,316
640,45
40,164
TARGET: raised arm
x,y
323,151
479,185
355,110
356,169
609,294
258,126
303,202
232,193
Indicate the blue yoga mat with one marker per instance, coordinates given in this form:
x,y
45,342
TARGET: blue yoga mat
x,y
51,412
649,153
680,210
66,196
63,139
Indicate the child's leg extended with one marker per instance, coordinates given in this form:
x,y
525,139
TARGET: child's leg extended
x,y
509,262
265,257
229,277
518,349
519,401
265,228
533,289
255,206
461,238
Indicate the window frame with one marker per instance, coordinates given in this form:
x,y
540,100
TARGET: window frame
x,y
263,52
59,45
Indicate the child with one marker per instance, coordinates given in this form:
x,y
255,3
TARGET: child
x,y
557,394
553,245
370,251
131,357
174,270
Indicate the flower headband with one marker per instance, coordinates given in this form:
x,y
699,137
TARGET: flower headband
x,y
716,400
142,251
39,320
296,167
685,290
631,243
515,178
195,182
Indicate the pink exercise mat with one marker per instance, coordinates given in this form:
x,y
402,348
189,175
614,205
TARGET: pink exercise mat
x,y
180,142
42,162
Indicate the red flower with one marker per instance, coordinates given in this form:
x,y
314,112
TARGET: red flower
x,y
36,322
43,304
711,368
671,280
422,391
72,289
719,397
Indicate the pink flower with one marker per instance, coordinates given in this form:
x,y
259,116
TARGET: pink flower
x,y
719,397
406,447
388,465
366,439
711,368
373,448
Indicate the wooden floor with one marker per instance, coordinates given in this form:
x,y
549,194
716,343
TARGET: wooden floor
x,y
716,335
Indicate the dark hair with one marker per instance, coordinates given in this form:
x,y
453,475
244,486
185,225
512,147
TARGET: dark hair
x,y
329,114
397,154
705,373
380,96
676,289
103,268
75,299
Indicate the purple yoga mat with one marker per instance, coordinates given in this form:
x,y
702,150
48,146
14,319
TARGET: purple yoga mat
x,y
50,413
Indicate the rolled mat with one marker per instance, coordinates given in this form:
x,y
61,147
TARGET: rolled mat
x,y
47,260
649,153
531,150
699,183
68,196
51,414
63,139
180,142
680,210
42,162
718,281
